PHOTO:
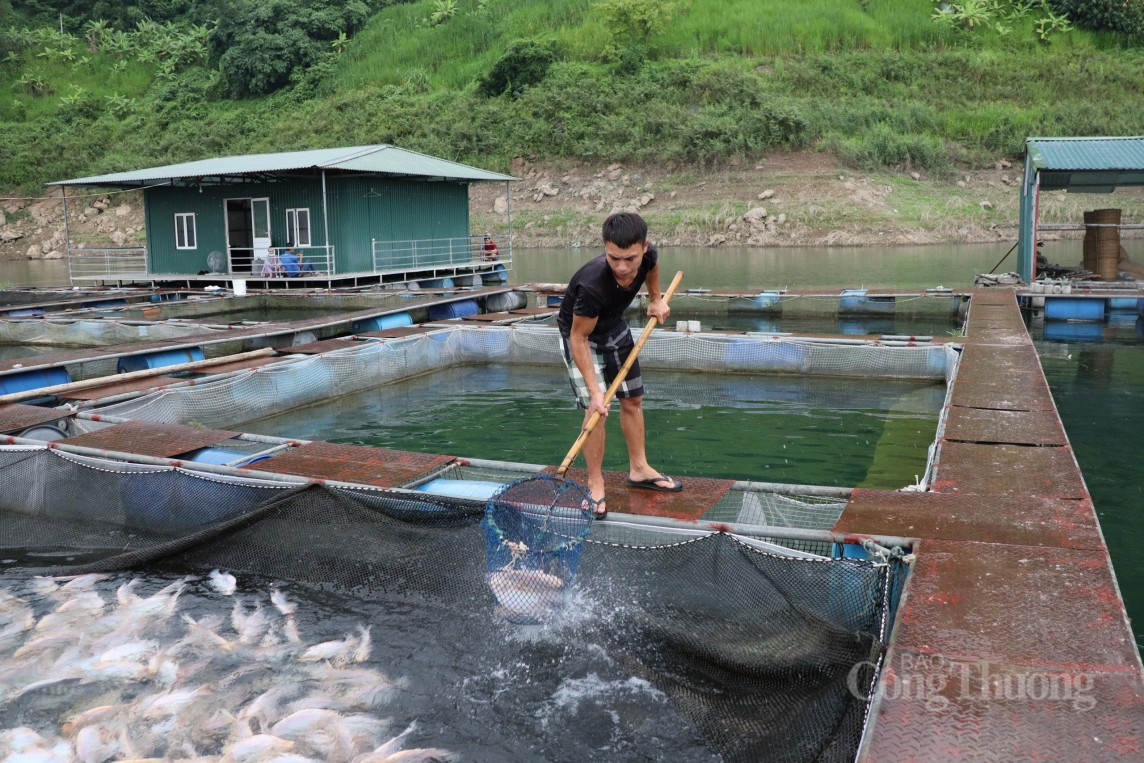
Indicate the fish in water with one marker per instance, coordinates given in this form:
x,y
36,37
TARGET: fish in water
x,y
131,677
278,599
529,593
223,582
393,751
337,652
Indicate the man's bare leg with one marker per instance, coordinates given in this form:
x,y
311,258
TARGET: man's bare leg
x,y
594,459
632,423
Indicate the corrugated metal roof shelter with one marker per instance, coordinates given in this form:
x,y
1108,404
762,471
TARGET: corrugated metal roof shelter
x,y
1080,165
380,159
351,213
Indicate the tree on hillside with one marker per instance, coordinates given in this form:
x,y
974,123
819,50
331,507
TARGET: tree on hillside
x,y
260,45
631,23
524,64
120,14
1124,17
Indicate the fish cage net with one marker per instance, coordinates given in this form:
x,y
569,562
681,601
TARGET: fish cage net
x,y
93,333
228,400
747,655
857,303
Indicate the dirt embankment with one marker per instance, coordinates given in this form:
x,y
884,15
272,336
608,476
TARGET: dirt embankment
x,y
799,199
786,199
34,228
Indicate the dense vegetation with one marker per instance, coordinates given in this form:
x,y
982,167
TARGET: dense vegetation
x,y
111,85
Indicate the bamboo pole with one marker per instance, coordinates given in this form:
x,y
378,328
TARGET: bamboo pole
x,y
14,397
615,385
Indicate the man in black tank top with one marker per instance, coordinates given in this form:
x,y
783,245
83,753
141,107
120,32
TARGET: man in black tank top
x,y
596,342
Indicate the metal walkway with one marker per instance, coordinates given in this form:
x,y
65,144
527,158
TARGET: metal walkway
x,y
1012,642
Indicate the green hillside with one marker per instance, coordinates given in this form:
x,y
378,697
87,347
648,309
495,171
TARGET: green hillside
x,y
879,83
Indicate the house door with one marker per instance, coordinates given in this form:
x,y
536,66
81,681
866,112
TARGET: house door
x,y
247,234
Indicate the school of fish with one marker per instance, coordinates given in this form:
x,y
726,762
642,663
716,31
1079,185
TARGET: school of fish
x,y
93,670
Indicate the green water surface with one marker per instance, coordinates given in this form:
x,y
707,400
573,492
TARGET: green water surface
x,y
1099,390
766,428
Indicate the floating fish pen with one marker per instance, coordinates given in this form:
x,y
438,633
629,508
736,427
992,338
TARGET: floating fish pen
x,y
738,620
707,645
292,382
930,303
737,637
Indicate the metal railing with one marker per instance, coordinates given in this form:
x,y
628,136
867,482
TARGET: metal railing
x,y
308,261
107,263
437,252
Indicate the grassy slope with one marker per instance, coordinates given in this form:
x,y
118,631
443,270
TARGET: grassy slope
x,y
874,82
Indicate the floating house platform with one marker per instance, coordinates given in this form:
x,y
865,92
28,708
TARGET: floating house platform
x,y
1011,640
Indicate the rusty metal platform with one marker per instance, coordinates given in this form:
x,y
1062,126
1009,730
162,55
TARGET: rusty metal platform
x,y
118,388
1012,580
1018,605
151,439
1020,520
16,417
1004,427
964,713
1008,470
396,333
380,467
698,496
1001,378
490,317
535,311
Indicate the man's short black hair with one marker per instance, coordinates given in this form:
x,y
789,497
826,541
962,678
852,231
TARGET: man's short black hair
x,y
625,229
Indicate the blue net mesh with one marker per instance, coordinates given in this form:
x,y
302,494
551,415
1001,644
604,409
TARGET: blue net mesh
x,y
534,533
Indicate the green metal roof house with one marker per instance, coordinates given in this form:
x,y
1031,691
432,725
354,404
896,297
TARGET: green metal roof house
x,y
1082,165
349,214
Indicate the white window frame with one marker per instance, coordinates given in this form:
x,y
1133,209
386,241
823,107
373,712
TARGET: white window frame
x,y
186,233
294,230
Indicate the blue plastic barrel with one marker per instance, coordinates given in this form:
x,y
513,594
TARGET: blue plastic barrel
x,y
437,283
497,275
479,490
554,301
382,322
459,309
1122,304
1061,331
767,300
866,326
1074,308
158,359
44,433
23,381
220,456
26,312
505,301
855,302
763,303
